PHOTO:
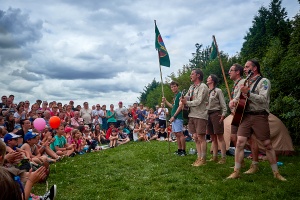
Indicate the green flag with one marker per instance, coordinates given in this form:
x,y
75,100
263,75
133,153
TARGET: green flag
x,y
213,51
164,59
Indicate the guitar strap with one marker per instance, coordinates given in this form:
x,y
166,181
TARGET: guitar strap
x,y
255,84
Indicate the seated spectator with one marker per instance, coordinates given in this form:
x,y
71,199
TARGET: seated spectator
x,y
123,136
2,126
30,146
60,145
100,135
77,141
151,134
113,138
162,134
76,121
135,132
187,135
10,123
19,115
11,181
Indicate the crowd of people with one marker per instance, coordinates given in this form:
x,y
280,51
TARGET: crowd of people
x,y
84,129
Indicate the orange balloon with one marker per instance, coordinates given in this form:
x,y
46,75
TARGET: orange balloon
x,y
54,122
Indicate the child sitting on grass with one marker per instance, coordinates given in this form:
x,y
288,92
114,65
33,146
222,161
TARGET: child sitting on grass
x,y
60,145
113,138
76,140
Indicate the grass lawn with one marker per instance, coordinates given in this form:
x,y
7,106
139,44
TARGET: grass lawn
x,y
146,170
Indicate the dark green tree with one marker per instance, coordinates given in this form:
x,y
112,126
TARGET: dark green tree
x,y
267,24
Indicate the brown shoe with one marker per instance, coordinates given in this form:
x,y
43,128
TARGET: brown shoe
x,y
213,159
196,162
234,175
278,176
222,161
201,162
253,169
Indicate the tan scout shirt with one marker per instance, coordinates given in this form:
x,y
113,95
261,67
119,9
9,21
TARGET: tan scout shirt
x,y
236,89
197,105
217,101
259,100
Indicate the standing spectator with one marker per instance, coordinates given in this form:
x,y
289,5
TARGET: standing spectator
x,y
111,116
27,106
121,114
151,117
104,119
10,107
54,111
141,113
156,113
69,114
44,106
86,114
20,114
71,103
162,115
3,103
134,112
99,114
38,103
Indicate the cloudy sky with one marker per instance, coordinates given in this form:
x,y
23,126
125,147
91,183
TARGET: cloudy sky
x,y
103,51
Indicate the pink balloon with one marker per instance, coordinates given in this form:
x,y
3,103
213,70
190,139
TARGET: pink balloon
x,y
39,124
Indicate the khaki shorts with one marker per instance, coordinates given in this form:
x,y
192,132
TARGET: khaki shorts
x,y
258,124
234,129
213,124
197,126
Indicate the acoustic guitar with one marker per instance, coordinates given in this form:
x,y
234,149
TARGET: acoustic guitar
x,y
185,109
241,105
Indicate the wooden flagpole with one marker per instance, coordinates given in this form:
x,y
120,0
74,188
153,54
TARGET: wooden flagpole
x,y
162,89
224,76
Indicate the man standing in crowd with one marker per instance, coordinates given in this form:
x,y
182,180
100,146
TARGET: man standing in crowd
x,y
121,114
141,112
235,73
3,103
177,118
134,112
255,119
86,114
198,99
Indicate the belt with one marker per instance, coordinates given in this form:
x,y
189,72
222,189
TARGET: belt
x,y
257,113
212,111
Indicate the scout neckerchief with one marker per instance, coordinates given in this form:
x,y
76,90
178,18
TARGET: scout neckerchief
x,y
192,93
235,84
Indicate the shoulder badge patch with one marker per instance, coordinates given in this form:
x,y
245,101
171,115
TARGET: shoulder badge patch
x,y
265,84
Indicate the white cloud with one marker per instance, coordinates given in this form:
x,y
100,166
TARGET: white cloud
x,y
103,51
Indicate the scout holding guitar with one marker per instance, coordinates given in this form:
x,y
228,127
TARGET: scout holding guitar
x,y
241,105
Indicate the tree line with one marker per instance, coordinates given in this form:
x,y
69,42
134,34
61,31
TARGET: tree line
x,y
274,41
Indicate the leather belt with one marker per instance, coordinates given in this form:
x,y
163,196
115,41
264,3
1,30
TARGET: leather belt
x,y
257,113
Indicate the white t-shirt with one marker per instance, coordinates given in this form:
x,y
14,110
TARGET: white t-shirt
x,y
162,115
98,113
121,114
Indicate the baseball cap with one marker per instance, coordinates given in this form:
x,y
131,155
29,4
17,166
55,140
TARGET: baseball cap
x,y
29,135
120,102
10,136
